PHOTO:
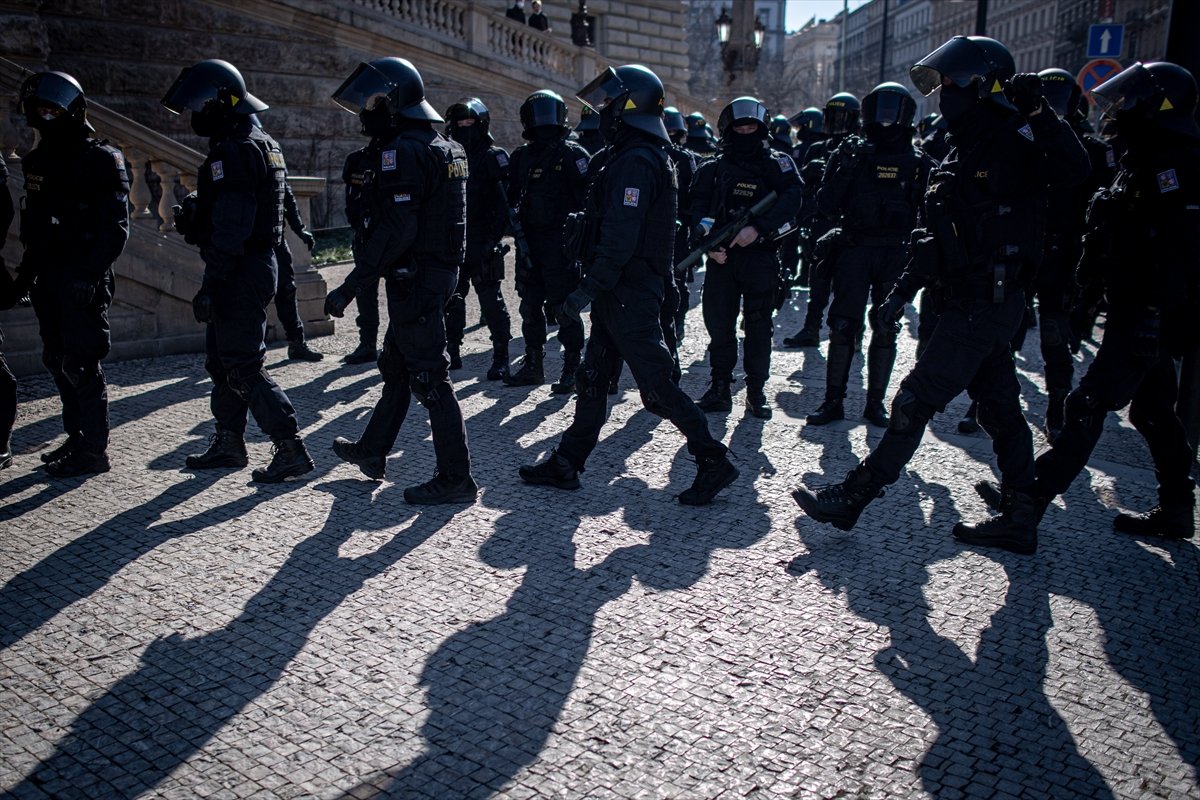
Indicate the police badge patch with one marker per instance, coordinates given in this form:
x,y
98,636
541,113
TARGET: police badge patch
x,y
582,164
218,170
1168,181
502,159
631,196
785,163
1026,131
389,160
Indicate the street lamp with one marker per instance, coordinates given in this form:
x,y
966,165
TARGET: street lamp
x,y
724,25
740,42
760,32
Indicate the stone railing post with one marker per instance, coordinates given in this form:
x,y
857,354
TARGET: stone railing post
x,y
476,27
304,189
139,192
167,174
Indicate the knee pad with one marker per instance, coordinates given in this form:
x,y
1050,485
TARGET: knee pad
x,y
1053,330
1084,408
455,304
425,386
78,370
587,381
909,413
52,362
391,366
244,381
992,418
655,397
844,331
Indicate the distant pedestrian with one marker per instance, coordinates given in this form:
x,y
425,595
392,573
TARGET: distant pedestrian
x,y
517,11
537,19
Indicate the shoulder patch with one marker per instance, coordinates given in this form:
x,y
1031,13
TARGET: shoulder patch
x,y
119,158
218,170
581,164
1026,131
785,163
1168,181
631,196
501,158
387,160
1110,157
275,159
402,198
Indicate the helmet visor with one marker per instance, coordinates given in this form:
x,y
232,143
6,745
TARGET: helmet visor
x,y
887,109
195,88
1123,91
746,109
604,88
50,90
958,60
364,89
1059,94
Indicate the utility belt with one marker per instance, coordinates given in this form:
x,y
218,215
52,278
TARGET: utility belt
x,y
994,283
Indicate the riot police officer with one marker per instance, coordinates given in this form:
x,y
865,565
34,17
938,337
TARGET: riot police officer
x,y
238,223
743,276
8,299
984,217
779,131
467,123
548,180
1065,218
796,251
358,174
699,141
74,224
676,127
416,238
628,265
810,129
588,131
839,120
872,189
1149,218
285,289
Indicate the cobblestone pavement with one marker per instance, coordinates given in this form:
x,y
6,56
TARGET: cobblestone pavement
x,y
179,635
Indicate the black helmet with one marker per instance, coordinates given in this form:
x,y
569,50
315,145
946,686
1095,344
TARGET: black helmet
x,y
588,120
673,120
628,95
889,104
841,114
696,125
1160,92
383,92
52,90
468,108
810,119
213,87
743,110
1061,91
967,61
779,127
543,108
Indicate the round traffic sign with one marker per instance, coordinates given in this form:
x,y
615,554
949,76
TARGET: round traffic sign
x,y
1096,72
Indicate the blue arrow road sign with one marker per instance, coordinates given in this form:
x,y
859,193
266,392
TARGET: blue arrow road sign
x,y
1105,41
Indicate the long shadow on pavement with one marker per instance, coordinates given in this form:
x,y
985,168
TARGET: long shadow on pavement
x,y
186,690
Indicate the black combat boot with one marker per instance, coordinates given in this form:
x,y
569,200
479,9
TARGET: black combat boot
x,y
499,367
555,471
1013,529
837,375
530,373
298,350
841,504
369,464
6,456
72,443
226,449
880,361
713,473
970,421
363,354
995,495
830,411
717,398
1055,415
805,337
443,488
566,382
756,401
289,459
455,356
1172,518
79,462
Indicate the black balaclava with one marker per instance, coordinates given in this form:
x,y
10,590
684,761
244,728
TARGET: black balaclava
x,y
956,104
744,145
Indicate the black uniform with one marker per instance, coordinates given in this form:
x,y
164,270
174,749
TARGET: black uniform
x,y
548,181
74,225
8,298
484,265
630,265
1141,252
678,301
415,239
872,190
749,279
239,224
985,213
815,225
357,172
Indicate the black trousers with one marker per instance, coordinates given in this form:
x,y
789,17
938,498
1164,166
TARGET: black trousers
x,y
627,325
1055,283
1121,375
8,403
479,273
414,362
553,278
746,282
74,340
969,349
285,294
235,353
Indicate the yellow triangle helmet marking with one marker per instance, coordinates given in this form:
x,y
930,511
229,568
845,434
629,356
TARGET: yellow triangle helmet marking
x,y
233,100
996,87
629,104
1166,105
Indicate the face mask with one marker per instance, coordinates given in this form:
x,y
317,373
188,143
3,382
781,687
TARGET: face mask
x,y
375,121
956,103
744,144
466,135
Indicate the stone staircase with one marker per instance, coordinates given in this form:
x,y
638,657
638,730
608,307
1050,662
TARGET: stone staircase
x,y
158,273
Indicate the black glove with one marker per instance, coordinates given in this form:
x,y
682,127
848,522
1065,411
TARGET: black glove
x,y
1146,334
202,305
337,300
890,312
576,302
1025,92
81,293
310,241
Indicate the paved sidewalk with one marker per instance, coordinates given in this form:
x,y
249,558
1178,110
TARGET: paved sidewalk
x,y
179,635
